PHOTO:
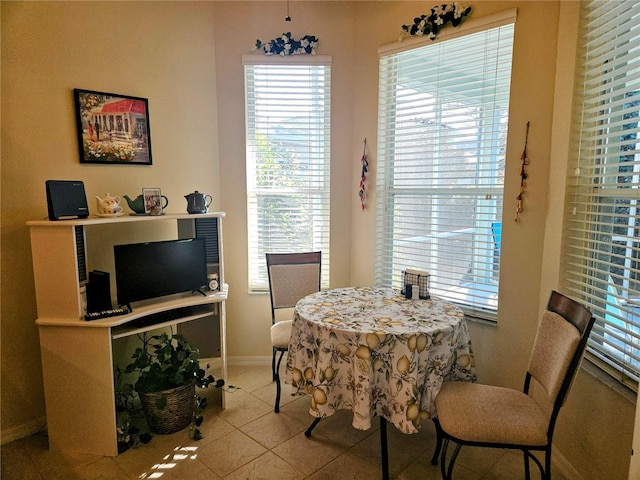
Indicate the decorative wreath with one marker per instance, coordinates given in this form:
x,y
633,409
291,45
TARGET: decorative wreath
x,y
287,45
440,15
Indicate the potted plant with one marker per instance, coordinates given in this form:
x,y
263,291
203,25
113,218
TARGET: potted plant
x,y
168,372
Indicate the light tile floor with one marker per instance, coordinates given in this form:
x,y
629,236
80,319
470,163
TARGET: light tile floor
x,y
248,440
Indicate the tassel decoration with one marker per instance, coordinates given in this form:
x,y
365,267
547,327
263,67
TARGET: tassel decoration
x,y
363,177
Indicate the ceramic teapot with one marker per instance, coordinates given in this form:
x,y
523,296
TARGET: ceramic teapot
x,y
198,202
108,205
137,204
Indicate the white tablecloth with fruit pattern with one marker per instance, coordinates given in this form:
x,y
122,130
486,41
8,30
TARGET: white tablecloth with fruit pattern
x,y
372,351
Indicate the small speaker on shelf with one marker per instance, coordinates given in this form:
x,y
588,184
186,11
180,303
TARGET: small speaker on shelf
x,y
98,292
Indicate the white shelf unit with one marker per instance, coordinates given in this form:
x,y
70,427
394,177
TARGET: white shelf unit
x,y
77,355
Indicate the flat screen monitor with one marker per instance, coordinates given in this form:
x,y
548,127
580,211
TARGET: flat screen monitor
x,y
156,269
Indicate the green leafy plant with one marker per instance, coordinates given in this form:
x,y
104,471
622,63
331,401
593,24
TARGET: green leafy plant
x,y
168,361
128,434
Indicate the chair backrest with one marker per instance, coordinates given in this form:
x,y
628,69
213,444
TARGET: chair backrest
x,y
292,276
559,346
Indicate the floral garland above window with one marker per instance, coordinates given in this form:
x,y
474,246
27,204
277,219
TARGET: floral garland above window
x,y
439,17
287,45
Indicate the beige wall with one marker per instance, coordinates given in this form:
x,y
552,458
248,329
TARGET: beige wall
x,y
197,117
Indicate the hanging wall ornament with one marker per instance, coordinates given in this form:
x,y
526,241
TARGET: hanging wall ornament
x,y
523,177
363,176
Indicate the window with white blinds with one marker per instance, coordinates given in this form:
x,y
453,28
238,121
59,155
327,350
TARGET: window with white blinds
x,y
603,229
287,157
443,114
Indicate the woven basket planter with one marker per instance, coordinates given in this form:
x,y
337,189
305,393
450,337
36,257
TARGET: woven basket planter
x,y
176,414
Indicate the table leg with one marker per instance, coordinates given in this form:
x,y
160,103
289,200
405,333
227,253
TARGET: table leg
x,y
384,452
436,453
307,432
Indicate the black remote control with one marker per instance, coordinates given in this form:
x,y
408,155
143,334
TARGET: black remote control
x,y
107,313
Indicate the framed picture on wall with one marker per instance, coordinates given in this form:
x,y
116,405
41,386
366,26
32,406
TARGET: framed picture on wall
x,y
112,128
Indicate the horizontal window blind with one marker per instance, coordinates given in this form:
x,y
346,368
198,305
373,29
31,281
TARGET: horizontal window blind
x,y
603,230
443,114
287,159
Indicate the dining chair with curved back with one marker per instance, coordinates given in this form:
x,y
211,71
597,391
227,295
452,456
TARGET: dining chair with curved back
x,y
489,416
292,276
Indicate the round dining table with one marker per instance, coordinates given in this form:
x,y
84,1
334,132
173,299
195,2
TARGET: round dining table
x,y
374,352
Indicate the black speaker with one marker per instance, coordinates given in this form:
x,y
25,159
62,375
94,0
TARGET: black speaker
x,y
207,228
98,292
66,199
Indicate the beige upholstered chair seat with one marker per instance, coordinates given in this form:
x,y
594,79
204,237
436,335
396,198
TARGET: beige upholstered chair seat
x,y
280,333
489,414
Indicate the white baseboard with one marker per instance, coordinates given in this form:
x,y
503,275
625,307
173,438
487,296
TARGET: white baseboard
x,y
216,362
22,431
248,361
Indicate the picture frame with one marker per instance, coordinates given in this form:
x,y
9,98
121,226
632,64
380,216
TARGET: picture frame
x,y
152,201
112,128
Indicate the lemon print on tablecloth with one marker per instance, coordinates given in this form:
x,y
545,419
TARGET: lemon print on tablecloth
x,y
412,343
375,339
465,361
308,373
296,376
423,342
363,365
403,365
329,373
378,363
331,320
413,412
319,396
363,352
343,350
437,338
